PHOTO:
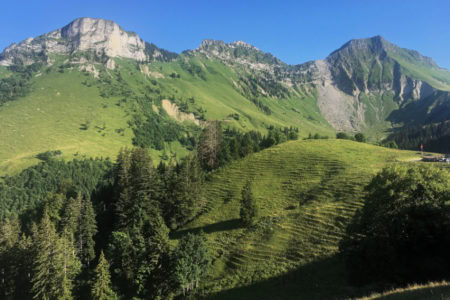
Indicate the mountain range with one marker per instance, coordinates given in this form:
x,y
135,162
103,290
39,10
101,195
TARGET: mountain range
x,y
92,87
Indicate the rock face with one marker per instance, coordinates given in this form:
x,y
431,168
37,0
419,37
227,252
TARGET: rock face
x,y
239,53
364,69
100,36
173,111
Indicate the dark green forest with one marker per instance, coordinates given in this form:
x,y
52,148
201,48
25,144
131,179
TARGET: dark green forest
x,y
434,138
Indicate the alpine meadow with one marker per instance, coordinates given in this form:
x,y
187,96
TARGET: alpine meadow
x,y
128,171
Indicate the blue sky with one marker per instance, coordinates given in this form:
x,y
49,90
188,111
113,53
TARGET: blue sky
x,y
294,31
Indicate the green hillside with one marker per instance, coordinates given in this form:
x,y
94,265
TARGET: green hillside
x,y
84,114
50,118
84,103
307,192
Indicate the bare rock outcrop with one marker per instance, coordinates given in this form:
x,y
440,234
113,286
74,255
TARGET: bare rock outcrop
x,y
103,37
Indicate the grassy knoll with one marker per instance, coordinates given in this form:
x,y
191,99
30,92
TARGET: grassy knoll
x,y
307,192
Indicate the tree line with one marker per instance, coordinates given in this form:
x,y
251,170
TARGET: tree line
x,y
434,138
217,147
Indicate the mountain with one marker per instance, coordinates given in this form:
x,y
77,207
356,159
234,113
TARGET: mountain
x,y
101,37
376,78
92,87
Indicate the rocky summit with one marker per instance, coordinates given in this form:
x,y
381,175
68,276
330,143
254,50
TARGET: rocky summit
x,y
103,37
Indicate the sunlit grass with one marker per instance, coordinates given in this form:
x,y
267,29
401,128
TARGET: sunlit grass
x,y
307,192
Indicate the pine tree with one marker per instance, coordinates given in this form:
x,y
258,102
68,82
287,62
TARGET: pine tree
x,y
71,215
185,196
143,187
55,264
122,187
9,238
86,231
78,224
249,209
136,184
53,205
101,288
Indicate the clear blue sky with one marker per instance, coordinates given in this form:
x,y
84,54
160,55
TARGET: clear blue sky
x,y
294,31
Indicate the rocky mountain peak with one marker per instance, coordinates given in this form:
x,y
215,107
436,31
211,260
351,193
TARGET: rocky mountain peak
x,y
209,44
104,37
238,52
374,46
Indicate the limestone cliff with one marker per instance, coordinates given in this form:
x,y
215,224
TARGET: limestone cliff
x,y
103,37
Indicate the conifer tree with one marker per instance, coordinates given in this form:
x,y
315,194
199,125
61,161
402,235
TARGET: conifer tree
x,y
136,185
122,187
101,288
143,187
185,195
86,231
71,215
78,224
55,264
249,209
9,238
53,205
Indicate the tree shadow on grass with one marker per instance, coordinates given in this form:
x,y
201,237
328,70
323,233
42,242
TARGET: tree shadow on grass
x,y
211,228
322,279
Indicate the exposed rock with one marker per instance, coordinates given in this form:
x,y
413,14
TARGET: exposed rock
x,y
110,64
239,53
173,111
90,68
100,36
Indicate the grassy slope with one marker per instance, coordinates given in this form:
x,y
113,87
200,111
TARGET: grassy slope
x,y
436,77
307,192
219,97
51,116
4,72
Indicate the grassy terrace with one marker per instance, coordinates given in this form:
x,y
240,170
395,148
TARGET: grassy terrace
x,y
307,192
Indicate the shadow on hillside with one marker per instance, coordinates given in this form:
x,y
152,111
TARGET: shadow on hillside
x,y
323,279
436,293
219,226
